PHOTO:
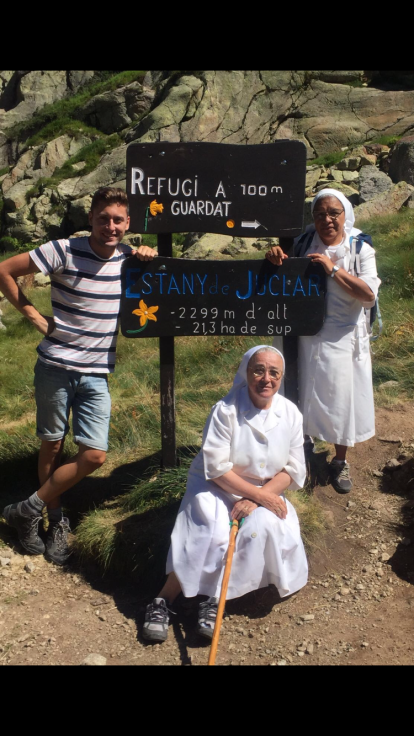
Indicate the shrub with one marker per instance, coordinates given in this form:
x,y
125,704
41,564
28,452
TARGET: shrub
x,y
328,159
7,243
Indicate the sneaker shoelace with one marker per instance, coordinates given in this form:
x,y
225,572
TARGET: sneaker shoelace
x,y
158,612
344,473
208,612
32,524
59,535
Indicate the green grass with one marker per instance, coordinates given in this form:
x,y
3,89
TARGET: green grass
x,y
328,159
386,140
126,510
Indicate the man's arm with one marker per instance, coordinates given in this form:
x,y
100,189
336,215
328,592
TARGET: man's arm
x,y
10,269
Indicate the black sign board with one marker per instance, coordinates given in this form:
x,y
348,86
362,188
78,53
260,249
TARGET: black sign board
x,y
174,297
251,191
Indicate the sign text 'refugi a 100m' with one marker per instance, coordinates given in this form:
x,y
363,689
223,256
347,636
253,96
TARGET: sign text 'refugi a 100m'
x,y
173,296
254,190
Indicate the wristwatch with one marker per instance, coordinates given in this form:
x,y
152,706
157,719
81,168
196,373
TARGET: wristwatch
x,y
334,270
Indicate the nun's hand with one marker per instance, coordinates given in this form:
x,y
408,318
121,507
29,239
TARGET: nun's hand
x,y
324,260
274,503
276,255
242,508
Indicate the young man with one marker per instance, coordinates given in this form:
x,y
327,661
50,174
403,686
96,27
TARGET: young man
x,y
74,359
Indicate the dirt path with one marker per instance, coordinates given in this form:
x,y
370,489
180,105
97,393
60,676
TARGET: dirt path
x,y
358,607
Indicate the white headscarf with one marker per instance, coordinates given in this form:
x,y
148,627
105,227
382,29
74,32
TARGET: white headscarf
x,y
240,378
349,210
349,220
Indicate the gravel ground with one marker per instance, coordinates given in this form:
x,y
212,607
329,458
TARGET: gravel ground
x,y
357,608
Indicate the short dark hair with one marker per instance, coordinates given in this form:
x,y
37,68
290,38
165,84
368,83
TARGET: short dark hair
x,y
110,195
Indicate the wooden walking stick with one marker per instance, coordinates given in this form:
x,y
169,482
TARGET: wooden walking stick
x,y
222,600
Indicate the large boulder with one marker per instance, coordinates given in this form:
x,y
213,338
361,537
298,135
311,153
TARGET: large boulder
x,y
351,193
386,203
401,162
118,109
53,155
208,247
372,181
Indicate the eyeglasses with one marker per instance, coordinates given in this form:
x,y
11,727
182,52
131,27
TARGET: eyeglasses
x,y
333,214
273,373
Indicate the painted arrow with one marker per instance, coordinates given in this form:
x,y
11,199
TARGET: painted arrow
x,y
255,224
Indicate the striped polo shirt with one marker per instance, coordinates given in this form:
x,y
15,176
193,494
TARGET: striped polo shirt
x,y
85,294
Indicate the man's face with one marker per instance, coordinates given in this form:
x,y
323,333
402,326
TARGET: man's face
x,y
109,224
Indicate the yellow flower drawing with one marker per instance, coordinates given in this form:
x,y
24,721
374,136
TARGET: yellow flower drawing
x,y
144,313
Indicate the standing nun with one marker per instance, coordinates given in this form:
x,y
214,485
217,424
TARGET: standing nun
x,y
335,372
252,451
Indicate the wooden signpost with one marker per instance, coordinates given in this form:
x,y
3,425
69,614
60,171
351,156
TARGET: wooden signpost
x,y
250,191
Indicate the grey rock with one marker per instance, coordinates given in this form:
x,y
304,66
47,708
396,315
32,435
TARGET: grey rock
x,y
209,246
349,163
401,161
386,203
53,155
40,279
15,197
78,212
372,181
29,567
118,109
337,175
27,91
94,659
351,177
349,192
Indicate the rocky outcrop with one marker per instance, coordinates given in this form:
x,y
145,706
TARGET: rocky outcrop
x,y
113,111
259,107
386,203
401,166
372,181
22,93
210,246
327,110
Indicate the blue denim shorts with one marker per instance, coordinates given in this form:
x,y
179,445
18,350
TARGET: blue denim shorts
x,y
58,392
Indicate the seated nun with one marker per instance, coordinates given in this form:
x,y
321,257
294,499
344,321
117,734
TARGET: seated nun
x,y
252,452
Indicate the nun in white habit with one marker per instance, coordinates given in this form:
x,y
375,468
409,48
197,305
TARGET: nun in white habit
x,y
252,451
335,372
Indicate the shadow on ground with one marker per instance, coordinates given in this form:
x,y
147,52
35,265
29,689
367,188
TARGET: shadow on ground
x,y
399,480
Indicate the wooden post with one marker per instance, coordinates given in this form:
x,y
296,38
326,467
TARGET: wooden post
x,y
167,371
290,346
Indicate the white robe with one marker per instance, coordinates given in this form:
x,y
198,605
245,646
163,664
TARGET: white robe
x,y
268,549
334,366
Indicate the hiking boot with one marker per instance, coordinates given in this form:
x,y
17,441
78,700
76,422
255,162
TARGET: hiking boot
x,y
27,528
57,548
339,477
156,620
207,614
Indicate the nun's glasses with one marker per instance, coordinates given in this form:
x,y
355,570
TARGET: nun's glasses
x,y
273,373
322,215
